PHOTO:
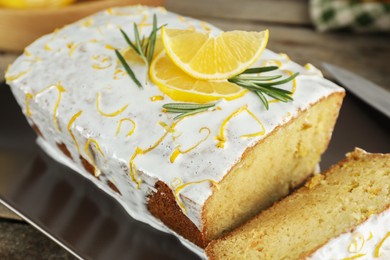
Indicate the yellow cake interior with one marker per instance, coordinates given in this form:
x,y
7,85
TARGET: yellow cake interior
x,y
326,207
272,168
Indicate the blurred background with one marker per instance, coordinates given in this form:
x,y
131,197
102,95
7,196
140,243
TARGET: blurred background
x,y
352,34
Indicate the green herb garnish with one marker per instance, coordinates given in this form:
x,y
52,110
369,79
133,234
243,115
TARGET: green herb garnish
x,y
264,85
143,47
186,109
260,85
127,68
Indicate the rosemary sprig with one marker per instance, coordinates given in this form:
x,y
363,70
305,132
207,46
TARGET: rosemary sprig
x,y
259,70
143,47
186,109
264,85
127,68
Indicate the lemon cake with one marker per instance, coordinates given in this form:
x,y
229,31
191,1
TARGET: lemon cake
x,y
105,110
343,214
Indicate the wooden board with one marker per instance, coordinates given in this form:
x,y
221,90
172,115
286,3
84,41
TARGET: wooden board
x,y
18,28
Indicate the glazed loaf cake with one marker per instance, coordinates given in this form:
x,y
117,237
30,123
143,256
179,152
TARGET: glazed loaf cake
x,y
343,214
92,117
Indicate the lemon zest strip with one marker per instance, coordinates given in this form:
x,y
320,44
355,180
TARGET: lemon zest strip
x,y
109,47
71,121
156,98
262,132
28,110
166,127
370,236
87,22
27,53
205,26
354,257
118,129
72,47
101,62
272,62
46,47
155,144
88,152
133,172
14,77
139,151
285,56
60,90
181,186
378,247
115,113
177,150
143,22
111,11
98,67
118,74
221,136
354,245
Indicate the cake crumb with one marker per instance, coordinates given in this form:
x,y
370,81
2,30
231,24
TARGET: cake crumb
x,y
315,181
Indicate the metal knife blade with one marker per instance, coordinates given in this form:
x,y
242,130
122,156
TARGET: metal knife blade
x,y
368,91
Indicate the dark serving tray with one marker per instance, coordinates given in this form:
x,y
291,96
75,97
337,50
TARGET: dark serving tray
x,y
91,224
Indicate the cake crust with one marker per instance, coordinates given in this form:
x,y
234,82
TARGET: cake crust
x,y
162,204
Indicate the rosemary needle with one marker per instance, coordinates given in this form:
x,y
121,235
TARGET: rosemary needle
x,y
127,68
143,47
263,85
186,109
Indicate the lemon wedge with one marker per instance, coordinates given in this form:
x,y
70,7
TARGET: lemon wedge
x,y
204,56
179,86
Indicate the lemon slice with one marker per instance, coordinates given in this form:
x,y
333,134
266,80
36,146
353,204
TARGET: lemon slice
x,y
206,57
26,4
181,87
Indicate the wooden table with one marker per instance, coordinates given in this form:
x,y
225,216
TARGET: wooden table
x,y
291,32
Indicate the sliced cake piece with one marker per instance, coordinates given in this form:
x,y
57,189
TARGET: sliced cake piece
x,y
343,214
197,176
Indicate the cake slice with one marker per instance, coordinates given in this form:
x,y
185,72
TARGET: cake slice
x,y
172,174
343,214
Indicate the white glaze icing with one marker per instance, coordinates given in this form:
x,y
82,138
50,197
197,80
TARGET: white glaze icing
x,y
67,57
362,242
127,202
